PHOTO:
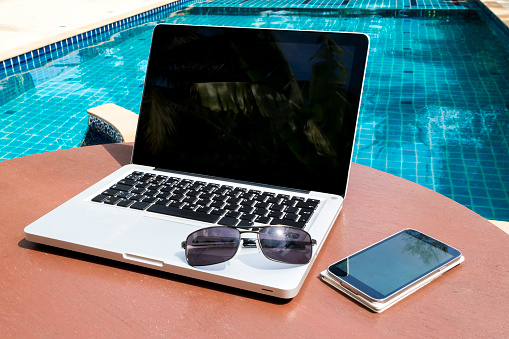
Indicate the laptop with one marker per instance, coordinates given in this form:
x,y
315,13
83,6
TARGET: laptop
x,y
237,126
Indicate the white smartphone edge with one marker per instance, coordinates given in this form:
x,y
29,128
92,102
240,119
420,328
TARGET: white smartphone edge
x,y
380,306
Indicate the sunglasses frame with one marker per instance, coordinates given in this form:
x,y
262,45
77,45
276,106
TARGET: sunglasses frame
x,y
250,229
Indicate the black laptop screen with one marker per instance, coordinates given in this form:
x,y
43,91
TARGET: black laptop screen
x,y
273,107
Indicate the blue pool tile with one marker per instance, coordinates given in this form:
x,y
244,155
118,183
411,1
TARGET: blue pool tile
x,y
424,116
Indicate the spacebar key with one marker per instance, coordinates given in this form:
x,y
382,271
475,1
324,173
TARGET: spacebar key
x,y
188,214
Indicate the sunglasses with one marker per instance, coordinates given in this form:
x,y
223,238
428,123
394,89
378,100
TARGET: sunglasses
x,y
214,245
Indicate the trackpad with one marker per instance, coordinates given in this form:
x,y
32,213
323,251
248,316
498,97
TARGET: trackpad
x,y
151,239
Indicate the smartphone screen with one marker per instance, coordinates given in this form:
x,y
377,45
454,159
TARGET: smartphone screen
x,y
389,266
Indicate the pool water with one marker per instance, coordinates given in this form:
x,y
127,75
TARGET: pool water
x,y
435,107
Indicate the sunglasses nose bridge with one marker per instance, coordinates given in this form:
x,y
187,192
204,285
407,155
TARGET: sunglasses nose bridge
x,y
250,241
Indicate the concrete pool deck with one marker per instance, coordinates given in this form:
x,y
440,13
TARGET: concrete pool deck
x,y
29,24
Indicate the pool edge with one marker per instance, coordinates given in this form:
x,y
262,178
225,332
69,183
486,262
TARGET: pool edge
x,y
23,61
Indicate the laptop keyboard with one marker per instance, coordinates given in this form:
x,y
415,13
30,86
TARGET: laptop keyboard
x,y
208,202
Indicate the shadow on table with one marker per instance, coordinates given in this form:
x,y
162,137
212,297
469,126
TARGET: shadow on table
x,y
147,271
122,153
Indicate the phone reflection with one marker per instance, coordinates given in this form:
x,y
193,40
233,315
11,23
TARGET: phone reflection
x,y
421,247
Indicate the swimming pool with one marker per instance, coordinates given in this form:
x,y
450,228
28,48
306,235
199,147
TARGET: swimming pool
x,y
434,111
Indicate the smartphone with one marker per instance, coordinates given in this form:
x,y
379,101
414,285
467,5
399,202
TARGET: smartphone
x,y
386,272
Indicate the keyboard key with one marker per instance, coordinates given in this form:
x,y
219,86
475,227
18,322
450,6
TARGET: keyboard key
x,y
123,194
246,203
228,221
306,212
219,197
163,201
276,207
230,207
151,193
175,204
187,206
274,200
100,198
140,205
222,190
262,205
189,199
136,197
304,218
189,214
149,199
124,203
234,200
307,205
262,220
217,211
163,195
288,202
233,214
217,204
120,187
127,182
138,190
111,200
207,189
176,197
247,196
245,223
207,196
180,191
248,216
110,192
260,211
289,209
275,214
203,209
291,216
245,209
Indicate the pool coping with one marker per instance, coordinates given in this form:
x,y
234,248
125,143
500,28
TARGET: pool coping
x,y
20,50
35,53
498,10
498,16
503,225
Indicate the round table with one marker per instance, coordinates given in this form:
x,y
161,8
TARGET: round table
x,y
47,291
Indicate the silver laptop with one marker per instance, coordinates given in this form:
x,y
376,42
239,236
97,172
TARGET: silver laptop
x,y
237,126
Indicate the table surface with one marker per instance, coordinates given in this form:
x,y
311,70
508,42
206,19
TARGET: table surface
x,y
46,291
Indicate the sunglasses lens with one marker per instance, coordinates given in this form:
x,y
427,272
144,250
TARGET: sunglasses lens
x,y
286,244
212,245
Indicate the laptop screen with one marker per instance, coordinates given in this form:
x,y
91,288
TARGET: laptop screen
x,y
274,107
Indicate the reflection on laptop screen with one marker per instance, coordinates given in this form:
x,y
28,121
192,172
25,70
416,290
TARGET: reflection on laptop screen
x,y
266,106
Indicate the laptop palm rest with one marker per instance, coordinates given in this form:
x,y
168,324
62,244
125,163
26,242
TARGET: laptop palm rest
x,y
151,241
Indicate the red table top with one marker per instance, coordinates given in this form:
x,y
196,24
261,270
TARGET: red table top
x,y
46,291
